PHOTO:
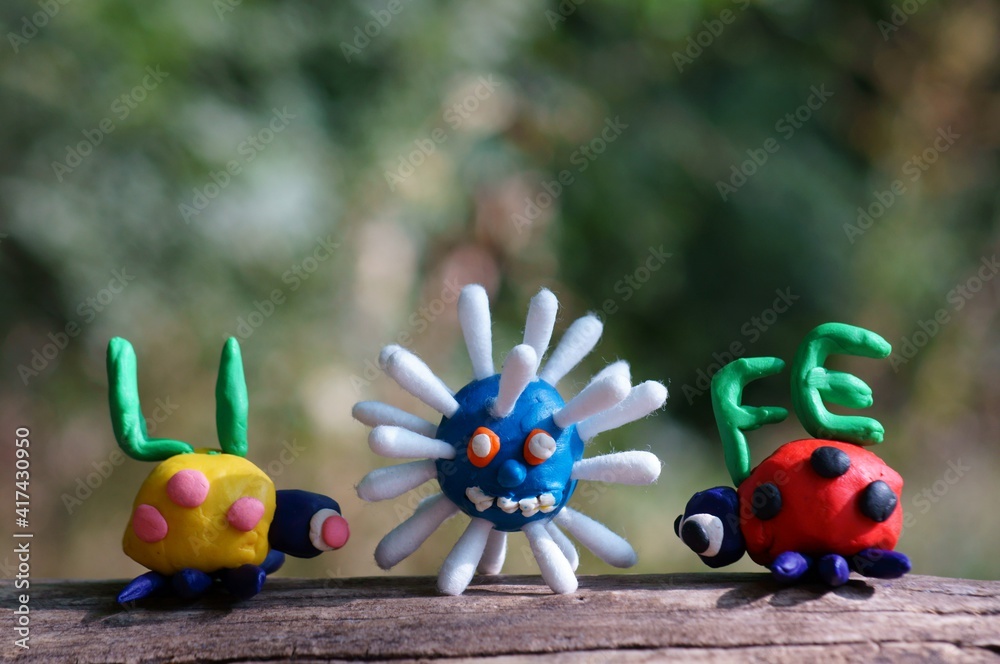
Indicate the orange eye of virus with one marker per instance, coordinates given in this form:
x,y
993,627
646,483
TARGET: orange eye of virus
x,y
538,446
483,446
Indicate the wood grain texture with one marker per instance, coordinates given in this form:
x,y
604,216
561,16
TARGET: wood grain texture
x,y
694,617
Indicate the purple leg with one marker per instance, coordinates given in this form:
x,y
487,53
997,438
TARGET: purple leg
x,y
880,563
190,583
142,586
790,566
833,569
273,562
243,582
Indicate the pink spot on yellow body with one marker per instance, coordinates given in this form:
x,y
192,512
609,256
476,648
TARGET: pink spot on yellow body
x,y
148,524
245,513
188,488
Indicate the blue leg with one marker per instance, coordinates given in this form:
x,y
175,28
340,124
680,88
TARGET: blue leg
x,y
273,562
190,583
243,582
142,586
790,566
833,569
881,563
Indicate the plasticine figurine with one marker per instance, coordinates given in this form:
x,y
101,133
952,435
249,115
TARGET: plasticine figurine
x,y
508,451
816,507
204,515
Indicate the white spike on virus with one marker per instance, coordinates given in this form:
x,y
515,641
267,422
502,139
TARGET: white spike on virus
x,y
508,451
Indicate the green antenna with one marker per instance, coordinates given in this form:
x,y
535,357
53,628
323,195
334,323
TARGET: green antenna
x,y
126,412
733,418
231,401
812,383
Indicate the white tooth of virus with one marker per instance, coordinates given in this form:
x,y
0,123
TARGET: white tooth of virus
x,y
508,450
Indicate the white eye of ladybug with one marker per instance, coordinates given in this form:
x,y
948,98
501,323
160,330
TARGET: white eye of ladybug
x,y
539,447
703,533
328,530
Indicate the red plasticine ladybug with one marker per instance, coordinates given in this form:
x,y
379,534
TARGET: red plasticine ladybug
x,y
819,507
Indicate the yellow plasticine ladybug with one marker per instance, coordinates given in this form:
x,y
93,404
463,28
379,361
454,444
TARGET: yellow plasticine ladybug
x,y
208,515
177,493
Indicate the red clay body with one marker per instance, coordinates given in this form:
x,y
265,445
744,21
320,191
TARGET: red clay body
x,y
818,515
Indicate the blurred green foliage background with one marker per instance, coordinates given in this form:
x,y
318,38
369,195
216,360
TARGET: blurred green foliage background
x,y
318,178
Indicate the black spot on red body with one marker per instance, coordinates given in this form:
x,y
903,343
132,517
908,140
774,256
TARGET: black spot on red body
x,y
766,501
877,501
818,514
829,462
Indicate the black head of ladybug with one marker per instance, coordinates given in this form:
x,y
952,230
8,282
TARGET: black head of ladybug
x,y
710,526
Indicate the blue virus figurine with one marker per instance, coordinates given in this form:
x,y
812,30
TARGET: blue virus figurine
x,y
508,450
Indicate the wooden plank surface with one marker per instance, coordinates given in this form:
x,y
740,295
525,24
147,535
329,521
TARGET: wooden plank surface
x,y
694,617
